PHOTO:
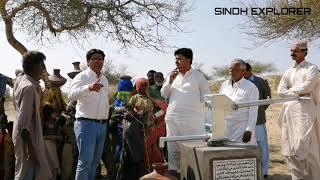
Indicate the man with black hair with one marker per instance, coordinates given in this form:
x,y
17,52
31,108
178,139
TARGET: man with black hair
x,y
185,88
29,148
150,76
90,89
261,129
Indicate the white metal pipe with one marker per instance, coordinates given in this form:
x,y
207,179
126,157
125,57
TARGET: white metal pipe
x,y
267,101
182,138
235,106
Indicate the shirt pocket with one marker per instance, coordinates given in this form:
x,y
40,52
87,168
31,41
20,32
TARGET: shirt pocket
x,y
240,95
188,87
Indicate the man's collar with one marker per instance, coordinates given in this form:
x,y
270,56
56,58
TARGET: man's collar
x,y
33,81
301,64
251,77
91,72
236,83
188,72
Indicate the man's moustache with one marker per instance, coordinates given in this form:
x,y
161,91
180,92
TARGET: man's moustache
x,y
159,84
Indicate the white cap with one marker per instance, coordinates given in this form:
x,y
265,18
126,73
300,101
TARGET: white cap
x,y
301,45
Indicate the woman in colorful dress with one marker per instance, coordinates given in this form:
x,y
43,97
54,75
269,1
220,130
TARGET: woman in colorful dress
x,y
144,105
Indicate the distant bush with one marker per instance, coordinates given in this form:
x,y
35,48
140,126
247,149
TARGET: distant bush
x,y
258,68
273,81
215,86
7,95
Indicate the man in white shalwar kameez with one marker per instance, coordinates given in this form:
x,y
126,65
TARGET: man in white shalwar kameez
x,y
298,119
240,125
185,89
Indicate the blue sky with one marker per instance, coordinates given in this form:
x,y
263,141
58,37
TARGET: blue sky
x,y
215,40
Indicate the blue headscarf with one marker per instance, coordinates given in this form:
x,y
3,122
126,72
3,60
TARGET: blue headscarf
x,y
125,85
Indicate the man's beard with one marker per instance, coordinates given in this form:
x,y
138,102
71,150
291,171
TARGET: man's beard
x,y
159,83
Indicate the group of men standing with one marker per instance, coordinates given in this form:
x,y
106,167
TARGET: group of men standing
x,y
184,89
298,119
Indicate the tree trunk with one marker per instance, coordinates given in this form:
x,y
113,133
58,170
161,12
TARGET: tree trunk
x,y
9,29
11,39
22,49
17,45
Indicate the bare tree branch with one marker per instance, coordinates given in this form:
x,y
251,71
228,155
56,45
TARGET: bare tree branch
x,y
265,28
132,23
9,30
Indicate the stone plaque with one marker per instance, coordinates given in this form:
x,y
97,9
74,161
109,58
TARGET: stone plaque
x,y
235,169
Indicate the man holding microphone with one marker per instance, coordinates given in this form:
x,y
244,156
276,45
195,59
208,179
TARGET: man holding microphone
x,y
185,89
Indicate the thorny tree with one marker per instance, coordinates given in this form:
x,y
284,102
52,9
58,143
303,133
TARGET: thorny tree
x,y
258,68
264,28
132,23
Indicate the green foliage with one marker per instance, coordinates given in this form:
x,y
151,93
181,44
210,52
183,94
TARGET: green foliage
x,y
274,81
114,72
277,79
260,68
215,86
220,72
7,95
199,67
257,68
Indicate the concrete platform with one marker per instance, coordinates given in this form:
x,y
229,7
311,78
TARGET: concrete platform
x,y
233,162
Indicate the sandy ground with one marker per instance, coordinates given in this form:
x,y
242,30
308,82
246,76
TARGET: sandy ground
x,y
278,168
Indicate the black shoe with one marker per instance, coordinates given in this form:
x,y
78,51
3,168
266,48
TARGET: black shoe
x,y
265,176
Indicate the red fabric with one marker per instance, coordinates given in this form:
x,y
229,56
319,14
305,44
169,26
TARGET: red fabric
x,y
155,133
140,82
153,151
162,105
155,156
152,138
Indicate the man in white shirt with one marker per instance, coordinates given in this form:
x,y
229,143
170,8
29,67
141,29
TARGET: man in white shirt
x,y
90,89
298,119
240,124
185,89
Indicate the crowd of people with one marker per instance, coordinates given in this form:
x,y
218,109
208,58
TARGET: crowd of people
x,y
51,139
